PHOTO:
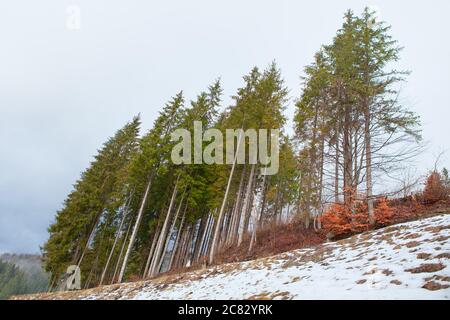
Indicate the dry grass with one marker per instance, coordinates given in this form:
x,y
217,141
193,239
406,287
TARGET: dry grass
x,y
396,282
427,267
361,281
445,255
433,286
387,272
412,244
424,256
438,277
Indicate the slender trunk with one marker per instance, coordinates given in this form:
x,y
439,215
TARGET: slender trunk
x,y
244,210
114,245
235,222
281,206
263,205
116,269
253,238
230,219
177,240
152,250
91,235
206,238
183,241
320,204
186,254
53,278
169,235
91,272
255,218
186,243
222,208
288,212
135,229
307,217
368,163
203,228
347,160
207,245
195,241
336,171
250,206
162,236
225,224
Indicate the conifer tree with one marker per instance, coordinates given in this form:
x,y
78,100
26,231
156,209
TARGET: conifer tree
x,y
349,117
151,161
91,205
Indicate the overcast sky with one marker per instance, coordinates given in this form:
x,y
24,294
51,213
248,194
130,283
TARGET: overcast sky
x,y
64,90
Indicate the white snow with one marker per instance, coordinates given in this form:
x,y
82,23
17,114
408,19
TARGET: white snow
x,y
360,267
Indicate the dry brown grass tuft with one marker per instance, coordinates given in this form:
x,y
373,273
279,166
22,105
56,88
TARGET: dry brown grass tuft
x,y
433,286
412,244
387,272
427,267
445,255
423,256
361,281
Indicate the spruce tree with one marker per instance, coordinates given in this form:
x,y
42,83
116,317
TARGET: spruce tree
x,y
91,206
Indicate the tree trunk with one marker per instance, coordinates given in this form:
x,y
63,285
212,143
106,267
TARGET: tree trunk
x,y
243,214
235,222
222,208
348,187
204,248
169,235
135,229
180,247
116,269
186,255
162,236
114,244
250,205
368,162
177,239
255,218
263,205
91,235
336,171
152,250
203,229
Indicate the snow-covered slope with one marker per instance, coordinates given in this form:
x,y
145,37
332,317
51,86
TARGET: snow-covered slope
x,y
405,261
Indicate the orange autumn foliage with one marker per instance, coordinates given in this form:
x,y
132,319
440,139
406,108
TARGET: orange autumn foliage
x,y
435,189
341,221
383,212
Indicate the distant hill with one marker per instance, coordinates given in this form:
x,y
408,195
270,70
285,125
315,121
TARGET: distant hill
x,y
20,274
26,262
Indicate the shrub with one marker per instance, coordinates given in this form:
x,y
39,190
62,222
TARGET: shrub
x,y
340,220
383,212
435,189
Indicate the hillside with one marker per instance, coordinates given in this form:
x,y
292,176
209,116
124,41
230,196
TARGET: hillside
x,y
27,262
21,273
404,261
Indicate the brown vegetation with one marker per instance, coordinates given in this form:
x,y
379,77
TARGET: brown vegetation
x,y
427,267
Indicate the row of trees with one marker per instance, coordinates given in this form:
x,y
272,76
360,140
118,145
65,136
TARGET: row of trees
x,y
349,122
133,213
